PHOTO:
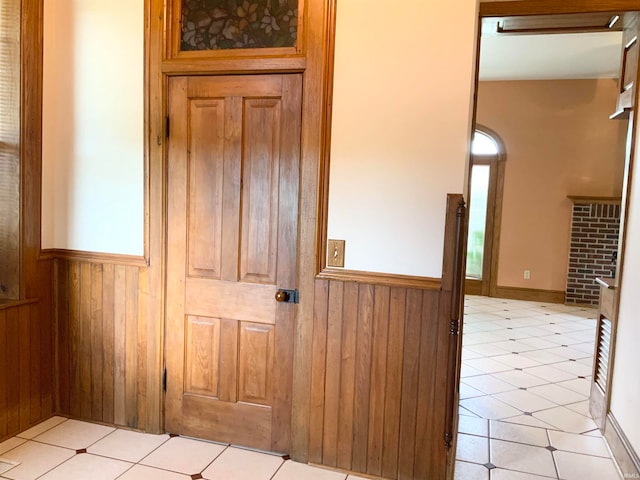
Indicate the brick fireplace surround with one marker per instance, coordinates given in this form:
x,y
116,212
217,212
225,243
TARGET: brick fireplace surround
x,y
595,227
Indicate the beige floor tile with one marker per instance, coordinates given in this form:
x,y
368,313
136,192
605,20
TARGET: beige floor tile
x,y
470,471
549,373
473,426
522,458
516,361
490,408
127,446
519,379
467,391
580,407
543,357
42,427
472,448
488,365
519,433
183,455
35,460
140,472
524,400
528,420
576,368
584,444
238,464
298,471
557,394
74,434
566,420
489,384
573,466
467,371
501,474
578,385
11,444
85,466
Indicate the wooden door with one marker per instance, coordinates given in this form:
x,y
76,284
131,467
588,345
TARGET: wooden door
x,y
233,175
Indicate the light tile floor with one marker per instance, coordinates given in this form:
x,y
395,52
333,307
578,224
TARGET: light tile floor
x,y
524,394
62,449
523,416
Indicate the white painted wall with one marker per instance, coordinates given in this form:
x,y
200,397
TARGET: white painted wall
x,y
401,116
93,141
626,381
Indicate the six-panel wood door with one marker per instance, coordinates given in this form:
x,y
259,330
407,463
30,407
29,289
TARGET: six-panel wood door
x,y
233,176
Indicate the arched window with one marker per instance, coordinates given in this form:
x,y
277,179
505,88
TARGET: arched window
x,y
485,206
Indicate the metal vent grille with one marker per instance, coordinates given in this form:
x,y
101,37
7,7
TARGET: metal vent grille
x,y
602,359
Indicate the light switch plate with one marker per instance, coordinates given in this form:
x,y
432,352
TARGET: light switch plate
x,y
335,253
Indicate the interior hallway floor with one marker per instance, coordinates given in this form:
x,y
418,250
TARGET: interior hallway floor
x,y
523,416
524,394
62,449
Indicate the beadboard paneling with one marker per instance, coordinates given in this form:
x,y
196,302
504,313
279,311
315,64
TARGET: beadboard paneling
x,y
101,341
26,366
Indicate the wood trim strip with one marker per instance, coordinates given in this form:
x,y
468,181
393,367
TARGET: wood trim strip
x,y
6,304
550,7
183,66
530,294
386,279
621,447
455,314
93,257
602,200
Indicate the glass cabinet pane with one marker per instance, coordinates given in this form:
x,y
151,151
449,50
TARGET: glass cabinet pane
x,y
228,24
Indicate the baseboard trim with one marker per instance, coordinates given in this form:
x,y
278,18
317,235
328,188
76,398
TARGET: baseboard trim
x,y
621,448
530,294
93,257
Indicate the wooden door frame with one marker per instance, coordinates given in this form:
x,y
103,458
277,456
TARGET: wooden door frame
x,y
550,7
489,283
159,67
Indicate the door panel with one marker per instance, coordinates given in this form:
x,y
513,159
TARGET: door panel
x,y
206,145
233,175
260,191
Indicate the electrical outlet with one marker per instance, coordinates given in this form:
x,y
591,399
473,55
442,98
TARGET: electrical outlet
x,y
527,274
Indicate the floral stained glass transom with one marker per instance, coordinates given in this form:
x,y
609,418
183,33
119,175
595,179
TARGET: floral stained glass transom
x,y
224,24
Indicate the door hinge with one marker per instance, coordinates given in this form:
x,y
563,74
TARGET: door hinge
x,y
167,127
164,380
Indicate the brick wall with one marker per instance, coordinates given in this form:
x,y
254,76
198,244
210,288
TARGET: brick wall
x,y
594,243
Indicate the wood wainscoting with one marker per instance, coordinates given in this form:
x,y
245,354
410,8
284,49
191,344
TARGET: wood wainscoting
x,y
384,358
101,344
26,361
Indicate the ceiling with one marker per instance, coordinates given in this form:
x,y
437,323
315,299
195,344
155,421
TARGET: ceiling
x,y
593,52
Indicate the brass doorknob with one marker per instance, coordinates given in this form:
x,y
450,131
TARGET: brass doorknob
x,y
282,296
